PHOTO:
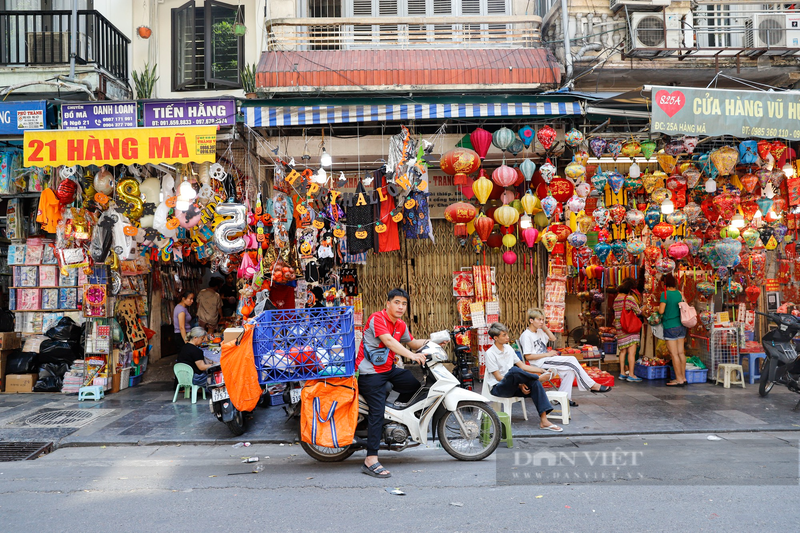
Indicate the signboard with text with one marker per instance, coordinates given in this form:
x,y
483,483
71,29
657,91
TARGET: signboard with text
x,y
98,115
715,112
125,146
17,117
190,113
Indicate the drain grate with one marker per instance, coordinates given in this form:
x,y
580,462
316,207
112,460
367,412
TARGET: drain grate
x,y
21,451
63,418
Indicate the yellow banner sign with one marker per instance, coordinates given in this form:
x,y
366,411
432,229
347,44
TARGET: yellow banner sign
x,y
127,146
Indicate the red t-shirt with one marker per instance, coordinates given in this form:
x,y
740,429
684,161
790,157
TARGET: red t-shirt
x,y
380,324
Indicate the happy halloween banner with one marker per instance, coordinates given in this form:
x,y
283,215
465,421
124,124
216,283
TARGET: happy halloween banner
x,y
126,146
715,112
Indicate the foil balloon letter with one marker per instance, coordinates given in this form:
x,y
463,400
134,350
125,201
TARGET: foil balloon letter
x,y
128,190
226,229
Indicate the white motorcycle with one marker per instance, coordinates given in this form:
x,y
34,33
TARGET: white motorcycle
x,y
467,427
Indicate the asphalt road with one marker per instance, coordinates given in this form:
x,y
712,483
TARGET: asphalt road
x,y
678,482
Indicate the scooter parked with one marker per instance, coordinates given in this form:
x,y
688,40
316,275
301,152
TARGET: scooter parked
x,y
467,427
221,404
781,364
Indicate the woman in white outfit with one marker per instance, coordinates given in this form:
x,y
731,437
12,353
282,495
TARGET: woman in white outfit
x,y
533,344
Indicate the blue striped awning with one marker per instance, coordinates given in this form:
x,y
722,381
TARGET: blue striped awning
x,y
311,115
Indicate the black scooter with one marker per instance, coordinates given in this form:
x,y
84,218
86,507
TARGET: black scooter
x,y
221,404
781,364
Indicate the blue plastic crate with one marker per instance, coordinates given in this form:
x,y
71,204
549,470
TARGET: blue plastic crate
x,y
693,376
650,372
301,344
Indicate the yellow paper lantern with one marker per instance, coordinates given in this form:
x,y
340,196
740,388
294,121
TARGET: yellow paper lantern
x,y
506,215
528,202
482,187
509,241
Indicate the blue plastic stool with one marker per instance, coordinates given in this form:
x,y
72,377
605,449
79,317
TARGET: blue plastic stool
x,y
753,370
91,393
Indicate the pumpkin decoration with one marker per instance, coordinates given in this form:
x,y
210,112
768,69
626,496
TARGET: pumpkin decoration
x,y
459,163
361,233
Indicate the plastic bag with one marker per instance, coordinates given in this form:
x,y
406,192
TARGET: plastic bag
x,y
20,362
58,352
65,330
694,360
51,378
102,237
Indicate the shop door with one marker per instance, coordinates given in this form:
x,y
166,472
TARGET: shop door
x,y
425,269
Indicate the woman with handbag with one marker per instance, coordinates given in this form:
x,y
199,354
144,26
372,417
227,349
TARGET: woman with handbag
x,y
629,327
674,330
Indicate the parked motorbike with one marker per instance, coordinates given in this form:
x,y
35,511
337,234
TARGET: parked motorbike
x,y
467,427
781,364
221,404
462,369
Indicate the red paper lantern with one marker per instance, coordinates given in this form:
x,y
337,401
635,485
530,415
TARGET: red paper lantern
x,y
504,176
483,227
561,231
520,177
460,214
459,163
752,292
481,140
562,189
495,240
663,230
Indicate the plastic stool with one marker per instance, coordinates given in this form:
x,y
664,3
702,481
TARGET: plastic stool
x,y
506,435
93,392
726,370
753,367
563,400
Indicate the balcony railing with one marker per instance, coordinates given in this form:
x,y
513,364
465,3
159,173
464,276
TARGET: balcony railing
x,y
371,33
43,38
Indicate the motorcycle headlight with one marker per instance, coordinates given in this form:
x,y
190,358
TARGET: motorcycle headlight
x,y
437,353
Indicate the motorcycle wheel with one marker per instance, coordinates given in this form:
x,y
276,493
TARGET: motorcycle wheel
x,y
764,384
483,431
327,455
237,424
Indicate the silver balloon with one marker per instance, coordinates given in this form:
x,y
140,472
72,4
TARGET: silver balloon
x,y
228,228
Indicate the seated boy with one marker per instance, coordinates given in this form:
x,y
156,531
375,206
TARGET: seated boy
x,y
507,376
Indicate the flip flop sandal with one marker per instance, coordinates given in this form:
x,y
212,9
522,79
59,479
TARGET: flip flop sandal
x,y
606,388
375,471
552,428
573,404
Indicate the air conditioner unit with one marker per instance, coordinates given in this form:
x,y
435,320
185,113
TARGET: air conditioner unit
x,y
638,5
656,30
48,47
772,30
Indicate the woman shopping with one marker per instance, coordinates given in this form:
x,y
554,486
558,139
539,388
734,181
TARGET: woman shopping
x,y
627,343
182,320
674,331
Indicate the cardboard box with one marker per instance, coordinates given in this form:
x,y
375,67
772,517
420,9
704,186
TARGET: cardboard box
x,y
231,334
10,340
21,382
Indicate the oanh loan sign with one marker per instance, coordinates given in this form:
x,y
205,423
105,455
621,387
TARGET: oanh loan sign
x,y
126,146
715,112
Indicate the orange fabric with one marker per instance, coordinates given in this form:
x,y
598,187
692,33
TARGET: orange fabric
x,y
49,213
329,412
239,370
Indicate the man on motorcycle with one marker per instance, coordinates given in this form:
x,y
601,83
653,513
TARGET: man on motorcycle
x,y
385,331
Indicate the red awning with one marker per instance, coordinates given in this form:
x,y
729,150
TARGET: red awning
x,y
353,70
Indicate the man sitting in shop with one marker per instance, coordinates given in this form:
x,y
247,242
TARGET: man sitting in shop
x,y
192,355
209,305
507,376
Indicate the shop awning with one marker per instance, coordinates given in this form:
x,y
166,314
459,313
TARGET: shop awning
x,y
310,115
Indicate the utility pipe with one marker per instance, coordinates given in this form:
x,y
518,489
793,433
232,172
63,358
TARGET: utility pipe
x,y
567,44
73,40
585,48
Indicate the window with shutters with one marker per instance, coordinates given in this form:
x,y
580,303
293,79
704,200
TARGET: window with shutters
x,y
206,53
324,37
365,36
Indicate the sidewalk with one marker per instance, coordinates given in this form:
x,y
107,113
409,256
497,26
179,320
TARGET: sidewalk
x,y
146,415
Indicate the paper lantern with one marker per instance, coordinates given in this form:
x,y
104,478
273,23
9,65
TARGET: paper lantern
x,y
507,197
692,211
583,189
600,216
495,240
576,239
676,218
575,171
652,254
727,251
516,147
459,163
689,144
530,235
549,205
599,181
614,148
547,171
665,265
634,217
631,149
573,138
516,204
601,250
509,240
481,140
597,146
752,292
666,162
724,159
678,250
528,202
648,147
526,135
527,167
460,214
694,243
549,240
503,139
506,215
576,204
546,136
562,189
603,235
504,175
483,227
663,230
617,213
692,175
509,257
482,189
615,180
635,247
